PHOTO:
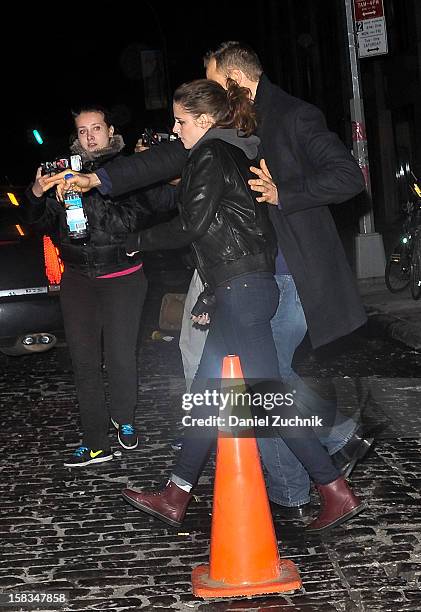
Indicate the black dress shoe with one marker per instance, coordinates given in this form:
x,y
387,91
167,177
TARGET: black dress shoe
x,y
292,512
354,450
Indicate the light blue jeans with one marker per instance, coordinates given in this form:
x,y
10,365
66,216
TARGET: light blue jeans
x,y
291,484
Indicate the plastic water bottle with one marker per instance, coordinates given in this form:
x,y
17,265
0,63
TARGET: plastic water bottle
x,y
77,222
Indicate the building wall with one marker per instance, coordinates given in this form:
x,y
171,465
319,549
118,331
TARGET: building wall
x,y
305,51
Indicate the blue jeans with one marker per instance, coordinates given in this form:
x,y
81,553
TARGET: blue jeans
x,y
241,326
291,484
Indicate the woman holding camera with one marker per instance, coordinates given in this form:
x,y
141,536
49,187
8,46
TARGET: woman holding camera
x,y
102,292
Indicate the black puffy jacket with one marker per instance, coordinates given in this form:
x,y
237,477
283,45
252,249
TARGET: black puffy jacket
x,y
110,221
230,233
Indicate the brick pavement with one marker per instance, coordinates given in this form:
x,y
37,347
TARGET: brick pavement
x,y
69,530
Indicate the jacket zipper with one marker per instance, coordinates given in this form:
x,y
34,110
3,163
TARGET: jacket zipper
x,y
199,266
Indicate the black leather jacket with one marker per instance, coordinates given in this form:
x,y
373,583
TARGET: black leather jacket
x,y
110,221
229,232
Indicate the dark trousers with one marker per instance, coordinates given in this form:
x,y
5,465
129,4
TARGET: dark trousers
x,y
102,315
241,326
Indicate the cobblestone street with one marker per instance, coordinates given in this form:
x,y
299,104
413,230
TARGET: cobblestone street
x,y
65,530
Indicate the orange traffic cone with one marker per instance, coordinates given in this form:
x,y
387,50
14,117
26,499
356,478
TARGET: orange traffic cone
x,y
244,558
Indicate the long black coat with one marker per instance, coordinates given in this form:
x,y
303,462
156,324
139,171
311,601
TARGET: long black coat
x,y
312,169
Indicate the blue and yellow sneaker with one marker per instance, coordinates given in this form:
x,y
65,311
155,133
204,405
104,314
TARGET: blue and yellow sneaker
x,y
127,435
177,444
84,456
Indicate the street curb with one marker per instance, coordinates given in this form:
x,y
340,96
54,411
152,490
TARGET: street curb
x,y
381,322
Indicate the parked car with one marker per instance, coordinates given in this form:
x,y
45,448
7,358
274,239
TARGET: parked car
x,y
30,272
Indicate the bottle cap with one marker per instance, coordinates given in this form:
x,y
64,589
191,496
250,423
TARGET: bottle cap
x,y
69,175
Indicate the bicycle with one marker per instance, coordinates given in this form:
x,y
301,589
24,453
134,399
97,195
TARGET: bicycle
x,y
403,267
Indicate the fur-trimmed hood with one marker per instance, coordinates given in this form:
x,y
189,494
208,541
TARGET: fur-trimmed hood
x,y
102,155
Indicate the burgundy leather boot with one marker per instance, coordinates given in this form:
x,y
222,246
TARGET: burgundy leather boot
x,y
168,505
338,504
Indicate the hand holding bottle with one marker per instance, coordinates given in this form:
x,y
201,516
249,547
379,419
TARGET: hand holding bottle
x,y
84,182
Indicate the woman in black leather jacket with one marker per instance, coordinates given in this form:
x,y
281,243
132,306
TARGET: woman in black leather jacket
x,y
233,245
102,292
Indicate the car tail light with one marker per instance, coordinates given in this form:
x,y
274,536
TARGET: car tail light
x,y
53,265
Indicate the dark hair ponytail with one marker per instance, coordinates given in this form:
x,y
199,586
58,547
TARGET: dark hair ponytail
x,y
230,108
241,107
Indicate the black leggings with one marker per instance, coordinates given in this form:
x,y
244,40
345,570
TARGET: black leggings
x,y
103,314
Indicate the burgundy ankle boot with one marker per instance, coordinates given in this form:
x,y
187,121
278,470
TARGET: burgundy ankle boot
x,y
168,505
338,504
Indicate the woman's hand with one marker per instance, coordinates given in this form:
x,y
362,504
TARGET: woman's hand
x,y
203,319
40,184
264,184
85,182
139,146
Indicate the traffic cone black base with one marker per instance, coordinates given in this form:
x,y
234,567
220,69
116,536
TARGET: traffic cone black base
x,y
203,586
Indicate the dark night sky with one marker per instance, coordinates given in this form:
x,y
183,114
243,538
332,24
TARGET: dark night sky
x,y
49,69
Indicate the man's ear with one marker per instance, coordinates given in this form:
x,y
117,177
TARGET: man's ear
x,y
237,75
111,131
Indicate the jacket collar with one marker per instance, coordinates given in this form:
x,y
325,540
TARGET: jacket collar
x,y
248,144
263,100
263,92
115,146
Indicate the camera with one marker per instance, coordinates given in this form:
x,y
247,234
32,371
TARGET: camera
x,y
74,162
151,137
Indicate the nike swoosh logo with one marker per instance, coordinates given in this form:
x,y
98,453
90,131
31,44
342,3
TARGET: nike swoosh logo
x,y
95,454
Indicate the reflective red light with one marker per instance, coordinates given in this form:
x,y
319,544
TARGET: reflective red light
x,y
53,265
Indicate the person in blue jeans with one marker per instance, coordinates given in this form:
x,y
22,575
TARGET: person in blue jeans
x,y
296,141
287,480
234,249
305,168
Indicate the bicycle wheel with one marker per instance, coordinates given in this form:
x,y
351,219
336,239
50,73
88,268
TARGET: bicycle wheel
x,y
415,274
397,270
